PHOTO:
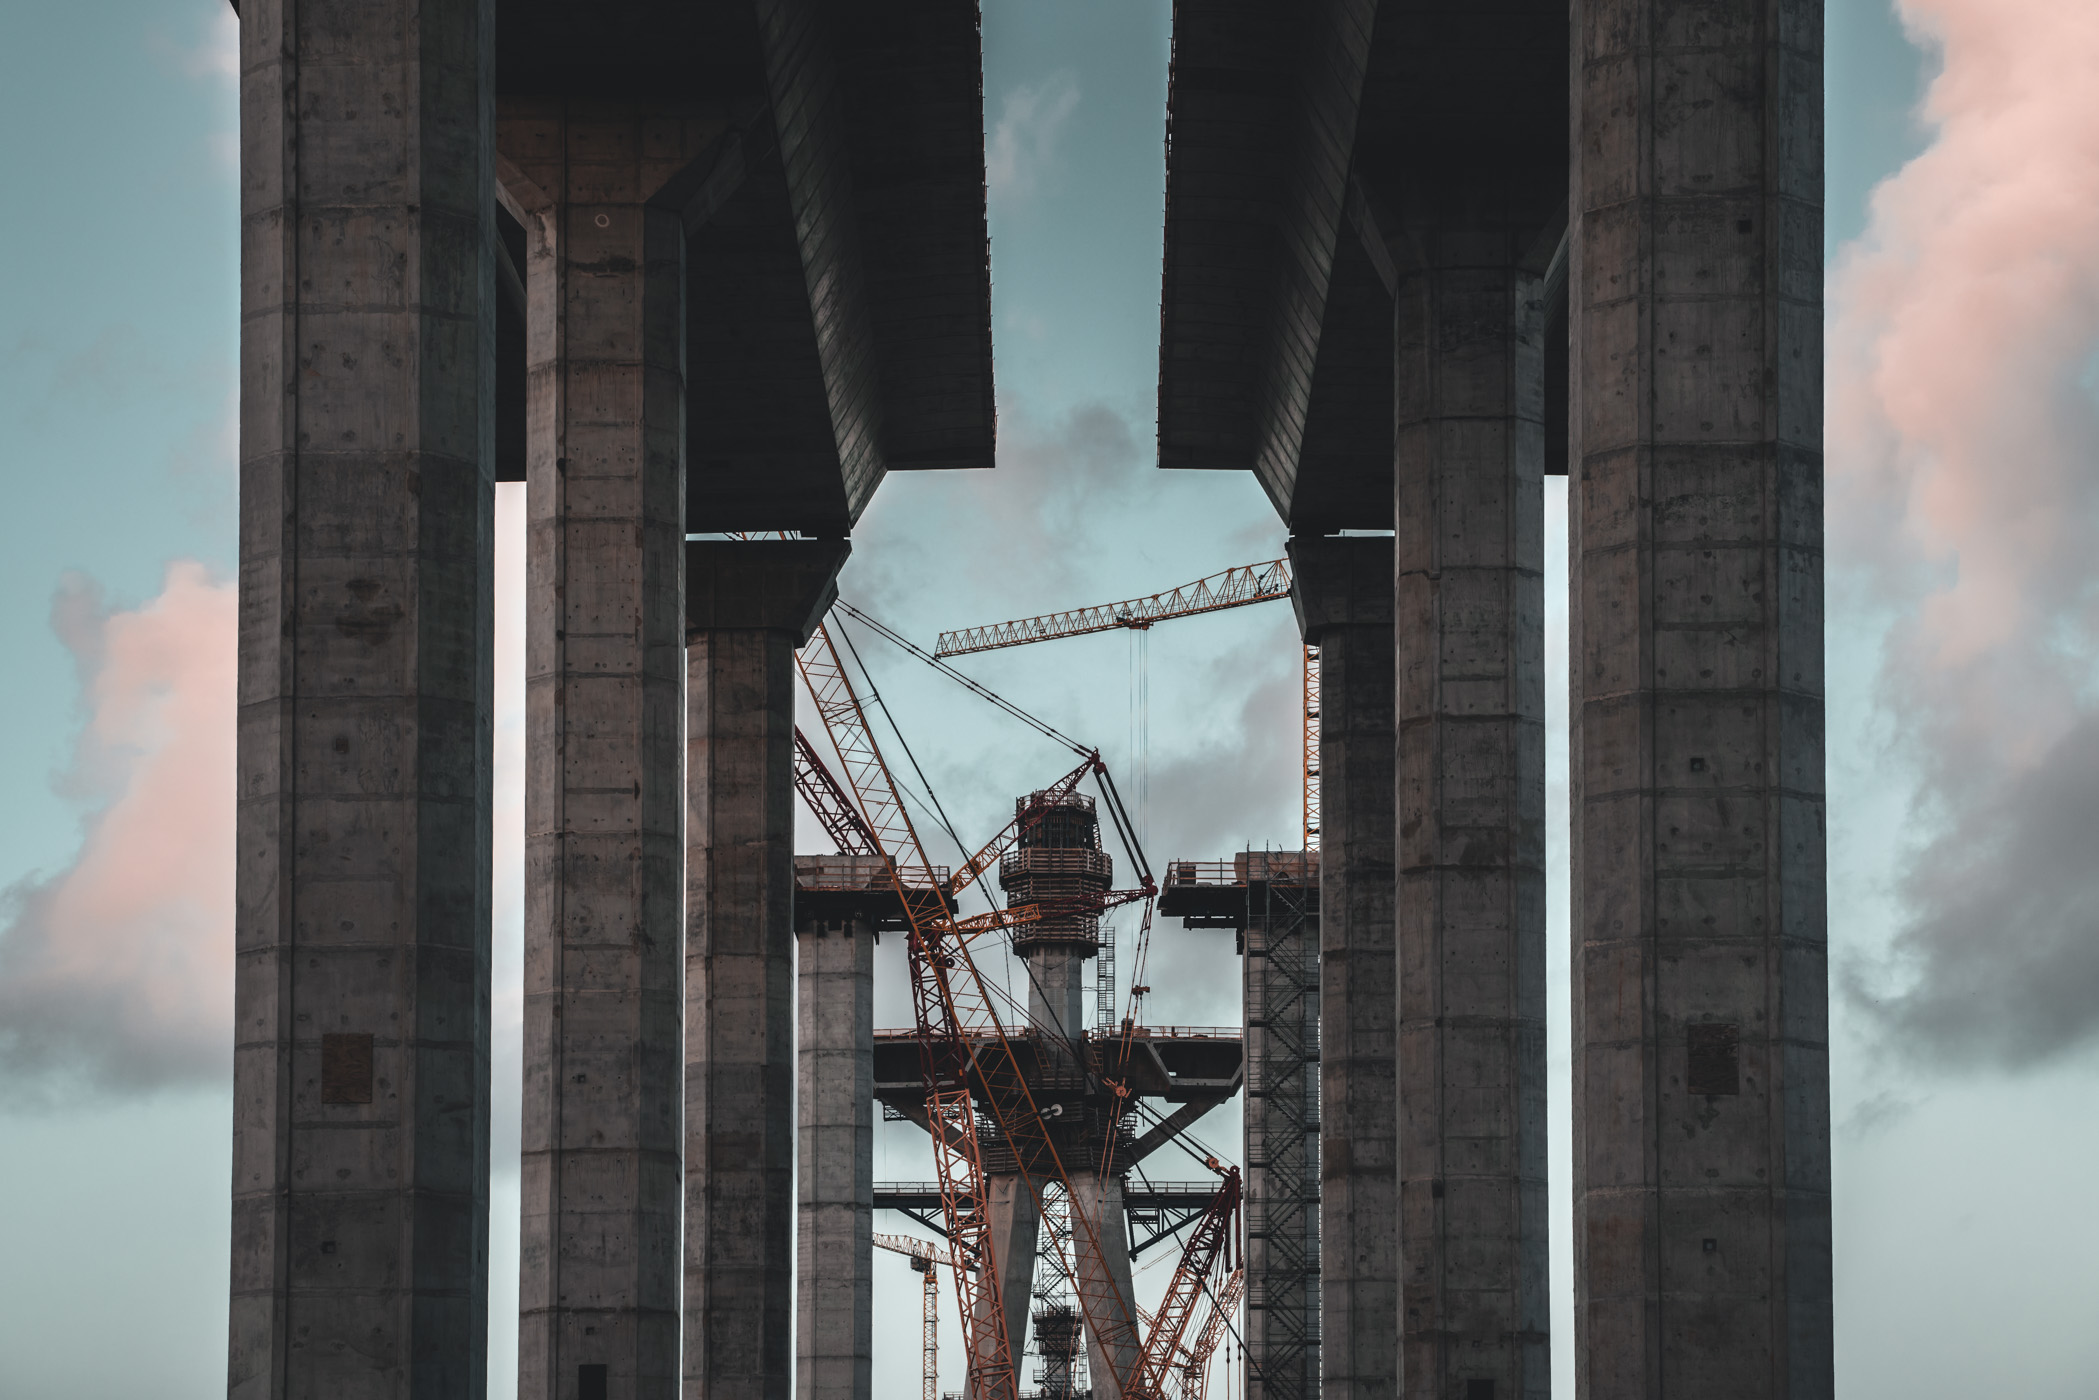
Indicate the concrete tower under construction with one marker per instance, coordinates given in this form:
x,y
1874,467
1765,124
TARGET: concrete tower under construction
x,y
700,274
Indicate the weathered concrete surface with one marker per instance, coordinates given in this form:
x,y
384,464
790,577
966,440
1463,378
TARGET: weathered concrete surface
x,y
1102,1260
361,1091
834,1321
1701,1149
750,605
1015,1223
1469,604
604,776
1343,598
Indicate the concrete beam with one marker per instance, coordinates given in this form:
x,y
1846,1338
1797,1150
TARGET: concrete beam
x,y
1343,597
1700,923
750,604
601,188
800,71
361,993
1469,607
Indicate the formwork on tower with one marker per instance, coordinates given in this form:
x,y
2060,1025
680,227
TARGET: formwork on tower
x,y
1271,900
1110,1095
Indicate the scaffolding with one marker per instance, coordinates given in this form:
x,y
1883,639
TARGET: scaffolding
x,y
1282,1134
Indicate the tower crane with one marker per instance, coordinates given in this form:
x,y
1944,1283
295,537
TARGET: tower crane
x,y
959,1032
1231,588
925,1256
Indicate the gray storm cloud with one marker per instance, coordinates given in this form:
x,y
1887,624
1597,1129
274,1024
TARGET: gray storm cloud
x,y
1964,504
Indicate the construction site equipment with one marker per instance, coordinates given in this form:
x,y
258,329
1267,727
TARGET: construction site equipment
x,y
924,1256
1233,588
951,1003
1194,1368
1210,1244
827,800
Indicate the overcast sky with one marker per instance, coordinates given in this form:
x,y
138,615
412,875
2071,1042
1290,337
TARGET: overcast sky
x,y
1964,705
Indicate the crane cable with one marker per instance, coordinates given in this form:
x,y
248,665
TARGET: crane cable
x,y
1041,727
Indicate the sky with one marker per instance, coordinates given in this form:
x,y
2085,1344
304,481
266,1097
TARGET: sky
x,y
1963,334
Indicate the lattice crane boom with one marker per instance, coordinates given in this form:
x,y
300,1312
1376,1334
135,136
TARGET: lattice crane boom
x,y
827,801
1232,588
1211,1242
1195,1371
952,1003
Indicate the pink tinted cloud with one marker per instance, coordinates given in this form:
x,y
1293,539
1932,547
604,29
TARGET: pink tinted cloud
x,y
117,971
1964,492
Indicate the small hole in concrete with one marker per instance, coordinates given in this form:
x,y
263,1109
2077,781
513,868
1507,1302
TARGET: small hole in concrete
x,y
1712,1246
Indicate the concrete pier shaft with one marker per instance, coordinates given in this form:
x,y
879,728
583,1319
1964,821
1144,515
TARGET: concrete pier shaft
x,y
1469,605
1101,1260
1015,1228
604,898
1701,1115
1343,597
749,604
835,1079
361,993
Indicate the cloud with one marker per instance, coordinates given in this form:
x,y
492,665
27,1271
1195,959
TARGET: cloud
x,y
215,56
116,973
1024,140
1964,503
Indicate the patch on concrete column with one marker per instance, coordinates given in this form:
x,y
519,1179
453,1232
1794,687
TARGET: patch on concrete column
x,y
346,1069
1715,1058
590,1383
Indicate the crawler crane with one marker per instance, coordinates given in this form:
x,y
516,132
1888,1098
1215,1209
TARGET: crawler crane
x,y
961,1038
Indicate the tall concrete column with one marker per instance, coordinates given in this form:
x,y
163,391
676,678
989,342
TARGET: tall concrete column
x,y
835,1073
1014,1223
361,1089
1469,606
1103,1258
596,187
749,605
1701,1137
1343,597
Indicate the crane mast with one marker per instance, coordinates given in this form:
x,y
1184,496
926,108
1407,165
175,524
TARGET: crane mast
x,y
924,1256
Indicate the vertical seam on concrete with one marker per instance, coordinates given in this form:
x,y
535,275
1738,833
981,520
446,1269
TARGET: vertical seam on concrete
x,y
1645,715
287,700
1778,1297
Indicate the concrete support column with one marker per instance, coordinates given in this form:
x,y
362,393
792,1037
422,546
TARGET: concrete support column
x,y
598,1304
1104,1259
749,605
1701,1124
834,1321
361,1079
1015,1227
1468,555
1344,606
